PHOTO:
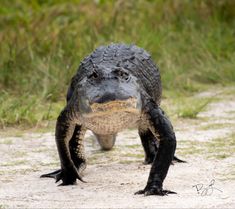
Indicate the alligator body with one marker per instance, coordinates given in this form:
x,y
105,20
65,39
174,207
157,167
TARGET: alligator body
x,y
116,87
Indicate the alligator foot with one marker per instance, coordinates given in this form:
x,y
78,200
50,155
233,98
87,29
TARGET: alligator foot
x,y
68,176
51,175
177,160
154,191
149,160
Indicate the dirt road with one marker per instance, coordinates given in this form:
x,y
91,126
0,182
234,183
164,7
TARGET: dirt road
x,y
206,181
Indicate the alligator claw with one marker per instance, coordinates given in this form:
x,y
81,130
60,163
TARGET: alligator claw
x,y
154,191
52,174
148,161
177,160
68,176
58,177
140,192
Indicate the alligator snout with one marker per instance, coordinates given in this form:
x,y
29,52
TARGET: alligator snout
x,y
108,97
111,88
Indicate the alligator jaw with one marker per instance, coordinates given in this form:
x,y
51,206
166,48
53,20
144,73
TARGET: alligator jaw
x,y
115,105
113,116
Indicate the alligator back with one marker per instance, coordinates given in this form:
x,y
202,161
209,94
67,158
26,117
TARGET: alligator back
x,y
134,59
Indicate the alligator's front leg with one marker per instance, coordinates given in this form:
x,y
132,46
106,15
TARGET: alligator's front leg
x,y
77,149
161,127
64,130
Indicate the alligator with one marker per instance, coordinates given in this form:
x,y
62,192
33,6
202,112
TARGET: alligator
x,y
115,87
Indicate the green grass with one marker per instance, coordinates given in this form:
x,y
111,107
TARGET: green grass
x,y
6,142
135,155
14,163
127,162
29,109
180,105
191,107
43,42
3,207
219,148
20,154
215,126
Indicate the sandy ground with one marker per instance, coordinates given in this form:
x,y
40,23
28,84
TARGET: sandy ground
x,y
113,177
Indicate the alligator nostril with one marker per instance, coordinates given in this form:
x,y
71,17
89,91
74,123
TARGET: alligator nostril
x,y
122,74
127,77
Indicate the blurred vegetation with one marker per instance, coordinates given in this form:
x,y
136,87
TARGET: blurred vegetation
x,y
43,42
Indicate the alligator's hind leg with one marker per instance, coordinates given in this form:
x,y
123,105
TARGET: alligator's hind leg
x,y
149,143
106,141
77,152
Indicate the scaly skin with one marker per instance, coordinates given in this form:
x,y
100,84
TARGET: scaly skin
x,y
115,86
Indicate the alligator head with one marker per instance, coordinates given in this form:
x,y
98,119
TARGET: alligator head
x,y
109,100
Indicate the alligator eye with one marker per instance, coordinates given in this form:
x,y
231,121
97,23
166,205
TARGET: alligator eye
x,y
94,75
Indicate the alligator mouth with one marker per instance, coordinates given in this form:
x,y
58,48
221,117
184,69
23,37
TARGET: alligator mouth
x,y
113,116
128,105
